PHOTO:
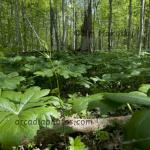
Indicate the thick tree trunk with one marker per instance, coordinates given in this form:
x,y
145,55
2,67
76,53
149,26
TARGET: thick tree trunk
x,y
141,33
53,27
110,26
86,29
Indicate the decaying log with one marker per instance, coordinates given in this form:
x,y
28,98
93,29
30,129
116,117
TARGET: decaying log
x,y
89,125
46,135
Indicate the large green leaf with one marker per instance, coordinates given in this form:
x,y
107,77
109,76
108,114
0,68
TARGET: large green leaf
x,y
128,98
137,130
20,114
144,88
81,103
10,81
13,131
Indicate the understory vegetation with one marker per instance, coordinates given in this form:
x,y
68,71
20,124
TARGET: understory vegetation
x,y
77,86
74,74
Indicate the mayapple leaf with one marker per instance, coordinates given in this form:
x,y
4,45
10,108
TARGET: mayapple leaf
x,y
19,113
10,81
128,98
137,130
81,103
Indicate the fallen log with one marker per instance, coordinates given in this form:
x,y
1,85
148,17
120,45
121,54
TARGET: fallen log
x,y
45,135
90,125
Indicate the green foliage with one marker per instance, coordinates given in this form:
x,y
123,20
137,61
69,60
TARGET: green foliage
x,y
21,113
101,135
113,72
137,130
10,81
81,103
108,101
144,88
66,70
76,144
128,98
108,81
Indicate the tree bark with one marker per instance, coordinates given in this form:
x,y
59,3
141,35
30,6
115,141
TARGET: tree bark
x,y
141,33
90,125
148,33
74,25
51,24
110,26
17,19
1,34
56,29
63,24
129,25
24,26
86,29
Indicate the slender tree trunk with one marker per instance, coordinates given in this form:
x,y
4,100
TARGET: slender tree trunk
x,y
24,26
148,33
110,26
141,25
46,31
93,26
17,19
59,23
145,37
12,33
63,24
31,33
74,25
56,28
51,24
1,19
100,43
129,25
1,26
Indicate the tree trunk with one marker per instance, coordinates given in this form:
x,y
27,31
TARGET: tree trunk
x,y
148,33
17,19
63,24
56,28
1,34
110,26
51,24
129,25
141,25
100,39
74,25
24,27
86,29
